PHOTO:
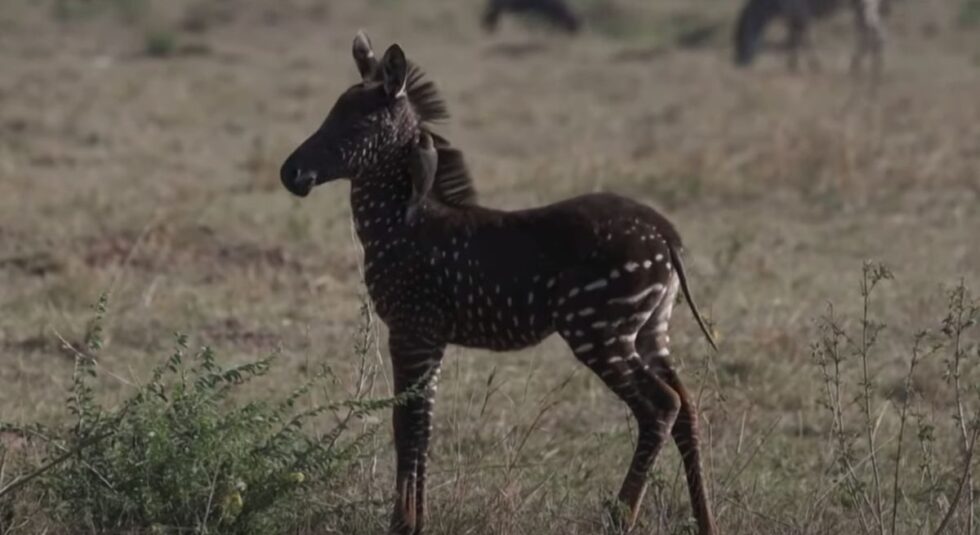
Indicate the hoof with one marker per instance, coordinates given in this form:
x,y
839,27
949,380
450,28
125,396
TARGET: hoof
x,y
401,530
400,527
616,518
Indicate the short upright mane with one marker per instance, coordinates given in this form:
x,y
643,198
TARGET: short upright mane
x,y
453,184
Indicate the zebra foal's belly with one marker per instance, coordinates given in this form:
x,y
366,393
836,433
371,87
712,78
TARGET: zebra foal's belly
x,y
500,341
477,317
504,327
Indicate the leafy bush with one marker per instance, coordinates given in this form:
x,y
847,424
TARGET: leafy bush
x,y
183,455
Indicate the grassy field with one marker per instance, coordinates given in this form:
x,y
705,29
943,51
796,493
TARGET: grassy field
x,y
140,143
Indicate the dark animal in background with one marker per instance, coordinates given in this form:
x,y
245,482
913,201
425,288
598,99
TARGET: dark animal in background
x,y
555,11
756,15
601,270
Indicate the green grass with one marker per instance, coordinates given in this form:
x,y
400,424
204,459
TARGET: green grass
x,y
969,14
191,450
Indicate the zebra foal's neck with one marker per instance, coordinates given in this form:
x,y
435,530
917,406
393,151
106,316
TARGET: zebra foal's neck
x,y
380,198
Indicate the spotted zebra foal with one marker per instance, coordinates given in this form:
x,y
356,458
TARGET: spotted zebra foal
x,y
600,270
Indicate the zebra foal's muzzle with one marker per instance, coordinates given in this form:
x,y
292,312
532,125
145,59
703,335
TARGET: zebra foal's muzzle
x,y
298,181
313,163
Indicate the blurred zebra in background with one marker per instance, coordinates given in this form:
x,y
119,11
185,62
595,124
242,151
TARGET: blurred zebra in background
x,y
556,12
756,15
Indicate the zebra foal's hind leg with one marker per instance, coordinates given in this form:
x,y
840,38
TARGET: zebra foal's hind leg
x,y
652,343
653,403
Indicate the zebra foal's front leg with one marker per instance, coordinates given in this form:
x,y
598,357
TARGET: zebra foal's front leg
x,y
415,365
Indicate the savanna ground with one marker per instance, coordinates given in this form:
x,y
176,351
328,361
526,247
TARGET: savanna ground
x,y
139,149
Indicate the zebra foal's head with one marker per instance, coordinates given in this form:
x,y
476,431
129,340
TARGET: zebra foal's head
x,y
373,118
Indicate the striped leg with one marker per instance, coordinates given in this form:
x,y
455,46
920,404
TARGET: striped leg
x,y
798,16
805,46
813,59
870,36
797,40
415,366
615,361
653,342
425,425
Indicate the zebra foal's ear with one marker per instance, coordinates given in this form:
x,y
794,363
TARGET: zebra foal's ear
x,y
367,64
394,71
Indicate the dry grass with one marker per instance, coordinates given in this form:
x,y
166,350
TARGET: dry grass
x,y
139,149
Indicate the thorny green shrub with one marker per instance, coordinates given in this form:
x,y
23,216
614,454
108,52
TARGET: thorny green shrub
x,y
183,455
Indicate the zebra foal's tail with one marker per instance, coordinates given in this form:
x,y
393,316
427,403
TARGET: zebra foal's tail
x,y
675,259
